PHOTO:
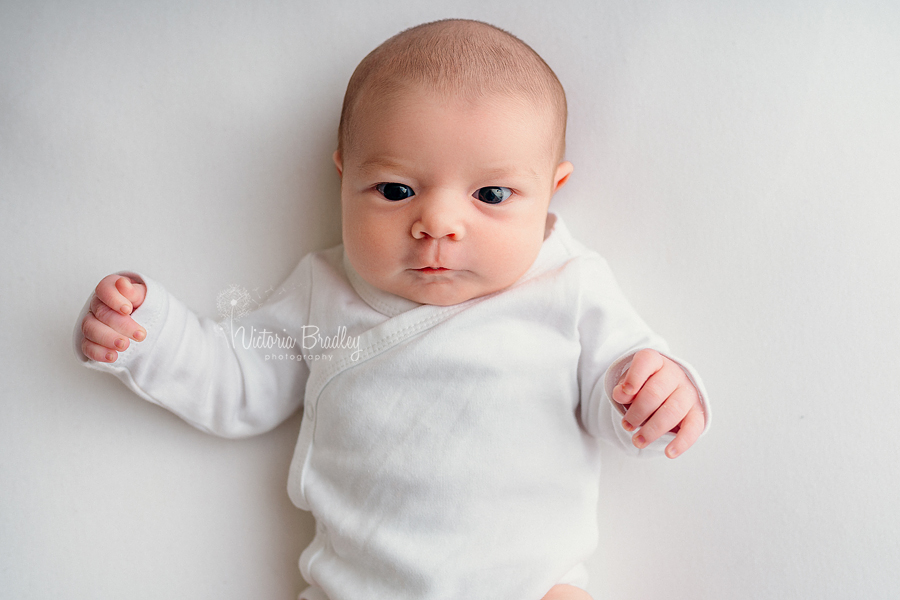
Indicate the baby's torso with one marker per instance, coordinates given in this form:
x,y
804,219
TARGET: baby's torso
x,y
447,457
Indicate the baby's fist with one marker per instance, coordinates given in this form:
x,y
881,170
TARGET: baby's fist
x,y
660,398
107,327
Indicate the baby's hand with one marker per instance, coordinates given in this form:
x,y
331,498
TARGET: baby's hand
x,y
107,325
661,399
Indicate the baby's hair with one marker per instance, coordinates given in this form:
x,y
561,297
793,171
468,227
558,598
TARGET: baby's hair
x,y
456,58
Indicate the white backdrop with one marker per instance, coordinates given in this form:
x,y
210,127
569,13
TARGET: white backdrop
x,y
736,162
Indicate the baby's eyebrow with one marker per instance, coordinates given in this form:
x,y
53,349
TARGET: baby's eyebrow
x,y
512,171
374,164
499,173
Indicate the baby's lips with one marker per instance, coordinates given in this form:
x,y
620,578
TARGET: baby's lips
x,y
433,269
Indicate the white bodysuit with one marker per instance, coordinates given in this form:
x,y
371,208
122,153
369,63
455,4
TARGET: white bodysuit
x,y
445,452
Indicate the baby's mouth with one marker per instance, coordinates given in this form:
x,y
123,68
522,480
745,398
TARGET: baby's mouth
x,y
432,270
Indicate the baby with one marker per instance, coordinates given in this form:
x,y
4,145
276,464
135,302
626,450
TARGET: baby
x,y
449,442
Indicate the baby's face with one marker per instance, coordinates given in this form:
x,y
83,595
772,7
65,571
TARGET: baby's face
x,y
444,200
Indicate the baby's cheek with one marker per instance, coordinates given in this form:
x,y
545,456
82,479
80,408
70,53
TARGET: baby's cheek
x,y
513,257
375,258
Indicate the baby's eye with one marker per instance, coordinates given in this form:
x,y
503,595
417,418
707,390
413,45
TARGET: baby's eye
x,y
395,191
493,195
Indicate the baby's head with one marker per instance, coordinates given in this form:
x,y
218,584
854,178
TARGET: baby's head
x,y
450,147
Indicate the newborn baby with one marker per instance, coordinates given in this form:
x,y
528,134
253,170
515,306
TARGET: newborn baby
x,y
450,448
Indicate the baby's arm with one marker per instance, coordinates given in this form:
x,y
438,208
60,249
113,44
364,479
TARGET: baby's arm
x,y
618,348
660,398
216,380
107,326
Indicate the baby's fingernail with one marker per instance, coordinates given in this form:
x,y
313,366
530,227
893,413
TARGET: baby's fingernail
x,y
139,335
628,389
628,426
125,309
110,356
639,441
671,452
120,343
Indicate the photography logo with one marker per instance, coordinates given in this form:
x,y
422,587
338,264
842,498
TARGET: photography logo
x,y
235,302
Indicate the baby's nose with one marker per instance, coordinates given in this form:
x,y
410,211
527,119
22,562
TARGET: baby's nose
x,y
441,216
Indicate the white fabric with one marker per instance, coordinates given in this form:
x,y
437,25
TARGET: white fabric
x,y
445,452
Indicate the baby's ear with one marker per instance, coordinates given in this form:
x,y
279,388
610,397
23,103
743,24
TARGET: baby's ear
x,y
563,170
338,162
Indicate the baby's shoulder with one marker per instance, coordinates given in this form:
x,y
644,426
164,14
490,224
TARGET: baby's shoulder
x,y
562,252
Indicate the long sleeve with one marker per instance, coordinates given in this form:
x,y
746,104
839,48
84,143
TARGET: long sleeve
x,y
611,332
236,379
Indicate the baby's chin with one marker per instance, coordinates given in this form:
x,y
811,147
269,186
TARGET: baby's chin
x,y
445,294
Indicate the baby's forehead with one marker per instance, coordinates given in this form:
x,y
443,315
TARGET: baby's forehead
x,y
501,134
399,103
405,94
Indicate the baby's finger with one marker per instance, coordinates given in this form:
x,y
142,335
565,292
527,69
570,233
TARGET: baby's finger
x,y
98,352
131,291
652,395
101,334
691,428
643,365
667,416
115,322
110,295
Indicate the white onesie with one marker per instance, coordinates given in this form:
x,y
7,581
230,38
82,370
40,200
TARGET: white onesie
x,y
445,452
